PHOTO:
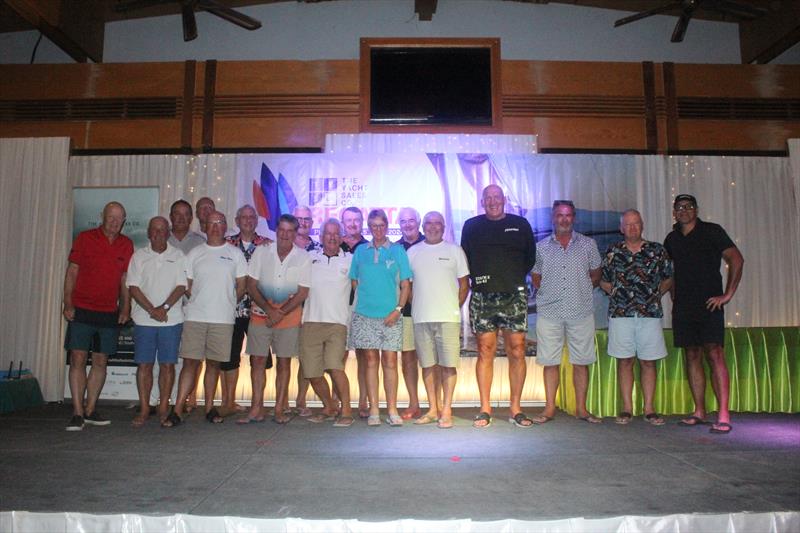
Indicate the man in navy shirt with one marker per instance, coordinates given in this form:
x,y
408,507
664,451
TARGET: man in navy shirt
x,y
698,319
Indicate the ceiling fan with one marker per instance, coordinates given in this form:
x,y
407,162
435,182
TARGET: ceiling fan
x,y
687,9
188,7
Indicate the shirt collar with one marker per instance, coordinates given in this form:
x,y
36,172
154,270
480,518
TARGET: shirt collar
x,y
387,244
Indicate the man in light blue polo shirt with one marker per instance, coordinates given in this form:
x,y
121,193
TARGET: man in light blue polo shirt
x,y
380,274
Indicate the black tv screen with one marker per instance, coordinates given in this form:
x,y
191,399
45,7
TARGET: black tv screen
x,y
437,85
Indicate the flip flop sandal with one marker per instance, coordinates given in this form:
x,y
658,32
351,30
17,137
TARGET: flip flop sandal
x,y
722,428
425,419
695,421
623,418
344,422
521,420
171,421
213,416
482,417
653,419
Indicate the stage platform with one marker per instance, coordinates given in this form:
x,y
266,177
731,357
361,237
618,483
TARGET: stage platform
x,y
561,471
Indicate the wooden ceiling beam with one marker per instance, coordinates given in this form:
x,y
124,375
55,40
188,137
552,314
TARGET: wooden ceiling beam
x,y
78,32
765,38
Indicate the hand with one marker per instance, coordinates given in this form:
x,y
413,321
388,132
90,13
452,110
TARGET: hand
x,y
159,314
274,316
391,318
123,318
69,313
716,302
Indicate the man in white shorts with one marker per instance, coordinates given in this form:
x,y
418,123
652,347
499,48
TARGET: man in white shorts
x,y
277,282
566,271
636,274
216,273
440,287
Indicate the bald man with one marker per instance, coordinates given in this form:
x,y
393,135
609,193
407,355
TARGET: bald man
x,y
96,302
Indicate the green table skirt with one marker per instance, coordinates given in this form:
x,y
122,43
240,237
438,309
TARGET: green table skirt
x,y
764,367
19,394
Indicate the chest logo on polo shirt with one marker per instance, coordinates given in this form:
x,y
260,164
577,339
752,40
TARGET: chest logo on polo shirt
x,y
511,229
389,263
226,258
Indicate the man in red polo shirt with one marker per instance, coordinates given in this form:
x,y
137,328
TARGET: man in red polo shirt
x,y
96,302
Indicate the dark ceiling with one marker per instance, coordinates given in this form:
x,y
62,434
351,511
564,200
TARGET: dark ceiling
x,y
77,26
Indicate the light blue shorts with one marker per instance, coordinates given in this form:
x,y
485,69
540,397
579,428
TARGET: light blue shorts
x,y
639,336
152,341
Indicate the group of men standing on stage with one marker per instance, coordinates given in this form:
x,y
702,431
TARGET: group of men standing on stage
x,y
198,296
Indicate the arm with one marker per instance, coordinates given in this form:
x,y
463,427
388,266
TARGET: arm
x,y
536,279
665,287
463,290
733,258
159,313
124,301
70,276
594,275
241,288
144,302
405,288
606,286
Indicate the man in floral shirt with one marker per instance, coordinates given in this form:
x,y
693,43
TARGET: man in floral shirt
x,y
636,274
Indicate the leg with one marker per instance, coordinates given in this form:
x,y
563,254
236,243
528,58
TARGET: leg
x,y
283,373
719,380
302,390
552,378
697,379
191,400
625,378
95,381
166,379
484,368
363,385
448,383
372,360
389,365
517,369
580,380
342,385
411,379
77,379
258,380
144,384
429,380
210,383
186,381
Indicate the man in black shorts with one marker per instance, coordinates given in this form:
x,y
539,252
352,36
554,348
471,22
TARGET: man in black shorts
x,y
501,252
698,319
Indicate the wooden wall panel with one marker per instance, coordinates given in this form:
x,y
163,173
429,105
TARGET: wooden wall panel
x,y
572,106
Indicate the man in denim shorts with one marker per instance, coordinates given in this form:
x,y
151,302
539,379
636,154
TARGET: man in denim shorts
x,y
501,251
567,270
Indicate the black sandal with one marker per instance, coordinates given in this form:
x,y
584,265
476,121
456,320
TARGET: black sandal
x,y
482,417
213,416
171,421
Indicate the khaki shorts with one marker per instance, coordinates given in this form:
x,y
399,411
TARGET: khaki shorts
x,y
261,338
322,346
579,336
204,340
408,334
438,343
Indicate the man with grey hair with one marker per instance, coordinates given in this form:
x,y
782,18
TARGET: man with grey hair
x,y
409,220
566,271
636,274
440,287
216,273
305,222
96,302
246,241
326,314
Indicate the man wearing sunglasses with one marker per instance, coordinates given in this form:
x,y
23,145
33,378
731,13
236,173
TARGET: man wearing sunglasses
x,y
698,318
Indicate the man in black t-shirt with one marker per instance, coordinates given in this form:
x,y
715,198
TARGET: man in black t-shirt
x,y
698,319
501,252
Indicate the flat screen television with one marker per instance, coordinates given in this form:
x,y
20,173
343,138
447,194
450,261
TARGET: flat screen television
x,y
431,85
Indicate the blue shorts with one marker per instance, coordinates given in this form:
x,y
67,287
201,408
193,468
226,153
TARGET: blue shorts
x,y
639,336
149,341
91,338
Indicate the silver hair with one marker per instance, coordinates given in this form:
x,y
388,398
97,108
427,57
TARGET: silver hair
x,y
628,212
245,206
416,213
334,221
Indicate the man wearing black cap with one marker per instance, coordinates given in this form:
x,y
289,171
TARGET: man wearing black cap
x,y
698,319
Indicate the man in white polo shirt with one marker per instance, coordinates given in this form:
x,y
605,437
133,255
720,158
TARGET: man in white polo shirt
x,y
277,281
326,314
156,280
441,284
216,273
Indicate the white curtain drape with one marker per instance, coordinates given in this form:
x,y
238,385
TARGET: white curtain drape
x,y
754,200
427,143
34,197
178,176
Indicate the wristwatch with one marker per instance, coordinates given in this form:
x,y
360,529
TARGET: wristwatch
x,y
399,308
165,307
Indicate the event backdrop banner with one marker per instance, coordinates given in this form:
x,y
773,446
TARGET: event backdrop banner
x,y
448,183
141,204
